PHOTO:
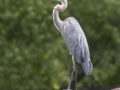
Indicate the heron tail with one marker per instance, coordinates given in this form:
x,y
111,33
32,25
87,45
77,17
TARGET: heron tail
x,y
87,67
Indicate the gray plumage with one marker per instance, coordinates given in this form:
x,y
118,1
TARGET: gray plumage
x,y
74,37
77,44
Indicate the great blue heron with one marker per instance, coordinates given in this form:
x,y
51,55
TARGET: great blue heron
x,y
75,40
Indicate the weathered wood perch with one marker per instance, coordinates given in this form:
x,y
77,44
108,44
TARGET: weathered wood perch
x,y
116,89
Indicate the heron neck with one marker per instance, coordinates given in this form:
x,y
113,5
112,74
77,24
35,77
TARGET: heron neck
x,y
57,22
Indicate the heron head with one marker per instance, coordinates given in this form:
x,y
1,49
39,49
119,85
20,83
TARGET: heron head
x,y
61,7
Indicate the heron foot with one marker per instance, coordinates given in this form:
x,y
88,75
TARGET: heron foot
x,y
67,89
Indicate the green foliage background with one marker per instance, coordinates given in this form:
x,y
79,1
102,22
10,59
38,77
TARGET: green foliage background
x,y
33,55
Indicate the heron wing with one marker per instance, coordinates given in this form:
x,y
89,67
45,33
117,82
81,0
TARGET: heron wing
x,y
75,40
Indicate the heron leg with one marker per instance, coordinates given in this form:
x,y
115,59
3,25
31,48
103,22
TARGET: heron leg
x,y
76,78
74,67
